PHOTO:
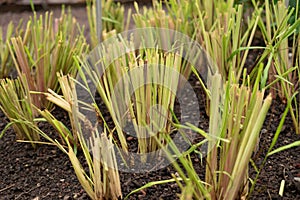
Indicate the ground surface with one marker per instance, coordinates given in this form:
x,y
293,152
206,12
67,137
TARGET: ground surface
x,y
46,173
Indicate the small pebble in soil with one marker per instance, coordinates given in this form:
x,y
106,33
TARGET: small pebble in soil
x,y
67,197
129,138
297,182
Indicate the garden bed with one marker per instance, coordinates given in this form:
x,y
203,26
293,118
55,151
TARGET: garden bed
x,y
47,173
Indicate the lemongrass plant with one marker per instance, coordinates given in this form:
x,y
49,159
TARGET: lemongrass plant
x,y
243,115
132,85
47,46
217,26
281,73
220,32
103,181
179,16
112,19
100,179
151,104
236,118
15,103
5,58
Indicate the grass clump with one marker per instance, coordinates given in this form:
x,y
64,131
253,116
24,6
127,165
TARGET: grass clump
x,y
179,16
281,38
236,117
138,88
6,63
47,46
100,178
113,20
15,103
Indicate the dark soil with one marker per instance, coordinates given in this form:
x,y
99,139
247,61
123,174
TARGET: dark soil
x,y
281,166
46,172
